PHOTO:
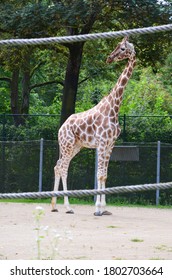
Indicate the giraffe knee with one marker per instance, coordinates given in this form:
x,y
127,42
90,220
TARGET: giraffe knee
x,y
57,168
101,178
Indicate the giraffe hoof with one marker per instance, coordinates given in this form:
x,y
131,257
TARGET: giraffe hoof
x,y
106,213
54,210
70,212
98,213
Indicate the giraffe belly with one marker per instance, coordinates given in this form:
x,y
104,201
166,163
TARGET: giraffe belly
x,y
94,142
88,142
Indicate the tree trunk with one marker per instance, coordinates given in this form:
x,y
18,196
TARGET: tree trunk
x,y
71,80
73,67
14,96
25,88
25,93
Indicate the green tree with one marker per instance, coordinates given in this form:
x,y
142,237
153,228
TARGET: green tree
x,y
24,19
44,18
165,73
86,16
147,97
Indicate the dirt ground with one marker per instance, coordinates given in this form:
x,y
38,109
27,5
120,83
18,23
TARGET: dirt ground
x,y
129,233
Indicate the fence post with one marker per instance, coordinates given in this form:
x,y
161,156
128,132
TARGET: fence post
x,y
158,170
41,163
3,127
124,129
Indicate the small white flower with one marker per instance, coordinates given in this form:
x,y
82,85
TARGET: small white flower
x,y
58,236
39,208
38,238
46,228
69,235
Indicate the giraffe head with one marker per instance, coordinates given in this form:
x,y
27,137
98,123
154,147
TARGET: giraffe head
x,y
122,51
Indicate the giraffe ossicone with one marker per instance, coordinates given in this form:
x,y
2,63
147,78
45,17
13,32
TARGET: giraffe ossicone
x,y
95,128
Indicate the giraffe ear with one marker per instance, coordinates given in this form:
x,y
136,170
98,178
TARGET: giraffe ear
x,y
126,38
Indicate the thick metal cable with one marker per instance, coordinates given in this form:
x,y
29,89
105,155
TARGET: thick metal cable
x,y
84,37
80,193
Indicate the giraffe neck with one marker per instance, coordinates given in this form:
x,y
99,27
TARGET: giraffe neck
x,y
117,92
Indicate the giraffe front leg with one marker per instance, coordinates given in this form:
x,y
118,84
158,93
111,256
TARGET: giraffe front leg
x,y
101,200
103,161
69,210
100,185
98,202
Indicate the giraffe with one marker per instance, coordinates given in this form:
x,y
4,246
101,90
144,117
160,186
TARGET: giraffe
x,y
95,128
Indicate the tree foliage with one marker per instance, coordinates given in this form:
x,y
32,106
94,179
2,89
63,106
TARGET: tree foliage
x,y
53,78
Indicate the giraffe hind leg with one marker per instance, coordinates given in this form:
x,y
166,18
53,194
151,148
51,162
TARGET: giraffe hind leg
x,y
67,151
74,150
56,185
61,170
69,210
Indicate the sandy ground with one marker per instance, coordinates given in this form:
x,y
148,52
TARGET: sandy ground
x,y
129,233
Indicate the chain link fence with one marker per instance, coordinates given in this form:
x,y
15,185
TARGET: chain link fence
x,y
20,168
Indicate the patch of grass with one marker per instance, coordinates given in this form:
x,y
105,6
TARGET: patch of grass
x,y
83,201
81,258
169,250
137,240
48,200
126,204
27,200
2,257
112,227
156,259
163,247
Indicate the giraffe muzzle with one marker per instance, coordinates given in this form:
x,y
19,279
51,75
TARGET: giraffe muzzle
x,y
109,59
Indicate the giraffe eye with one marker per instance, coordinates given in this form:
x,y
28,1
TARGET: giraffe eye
x,y
122,49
